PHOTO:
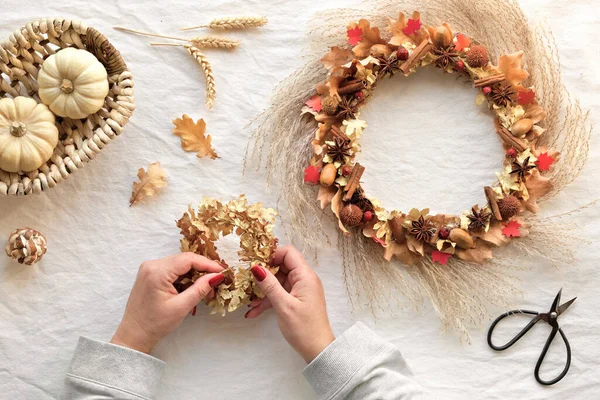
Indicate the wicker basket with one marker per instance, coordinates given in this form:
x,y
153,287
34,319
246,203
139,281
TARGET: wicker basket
x,y
81,140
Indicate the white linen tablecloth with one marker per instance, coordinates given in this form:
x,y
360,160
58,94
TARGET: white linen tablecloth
x,y
96,242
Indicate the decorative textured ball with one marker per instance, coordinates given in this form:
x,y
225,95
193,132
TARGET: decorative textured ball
x,y
368,216
26,246
509,206
477,57
351,215
330,105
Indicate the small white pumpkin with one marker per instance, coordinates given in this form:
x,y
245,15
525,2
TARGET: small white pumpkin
x,y
73,83
28,134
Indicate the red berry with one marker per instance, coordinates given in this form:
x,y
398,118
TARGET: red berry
x,y
359,95
346,170
368,216
444,233
402,53
511,153
460,65
487,90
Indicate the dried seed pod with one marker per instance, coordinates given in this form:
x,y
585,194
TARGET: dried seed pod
x,y
477,57
330,105
509,206
351,215
26,246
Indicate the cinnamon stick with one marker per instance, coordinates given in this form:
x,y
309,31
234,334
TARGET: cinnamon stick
x,y
416,56
355,87
493,201
335,131
350,82
508,138
353,181
489,80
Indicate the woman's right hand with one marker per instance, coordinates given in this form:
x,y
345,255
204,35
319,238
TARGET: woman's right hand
x,y
296,294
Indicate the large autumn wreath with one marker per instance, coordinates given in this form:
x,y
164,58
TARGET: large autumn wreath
x,y
352,79
445,258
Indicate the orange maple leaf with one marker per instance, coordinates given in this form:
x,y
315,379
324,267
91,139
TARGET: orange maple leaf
x,y
462,42
311,175
355,35
440,257
511,229
526,96
544,161
315,103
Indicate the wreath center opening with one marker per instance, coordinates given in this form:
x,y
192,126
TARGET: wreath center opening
x,y
427,143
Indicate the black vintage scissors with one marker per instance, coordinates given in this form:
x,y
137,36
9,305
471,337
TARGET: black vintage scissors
x,y
551,318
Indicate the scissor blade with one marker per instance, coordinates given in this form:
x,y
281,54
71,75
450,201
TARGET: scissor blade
x,y
563,307
556,302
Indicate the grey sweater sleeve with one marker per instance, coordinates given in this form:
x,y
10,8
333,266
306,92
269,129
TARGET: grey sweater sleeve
x,y
101,370
361,365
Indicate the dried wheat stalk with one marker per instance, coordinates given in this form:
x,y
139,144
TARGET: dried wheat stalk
x,y
195,52
198,41
232,23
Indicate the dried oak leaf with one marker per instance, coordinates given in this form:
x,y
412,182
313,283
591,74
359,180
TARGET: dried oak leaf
x,y
370,37
336,57
479,254
510,66
149,183
537,186
193,137
336,206
398,26
401,252
326,195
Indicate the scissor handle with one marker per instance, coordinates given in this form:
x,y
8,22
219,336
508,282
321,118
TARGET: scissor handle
x,y
518,335
543,355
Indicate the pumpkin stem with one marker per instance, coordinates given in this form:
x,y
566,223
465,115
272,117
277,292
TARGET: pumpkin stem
x,y
66,86
18,129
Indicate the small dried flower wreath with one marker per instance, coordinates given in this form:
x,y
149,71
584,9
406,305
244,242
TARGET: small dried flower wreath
x,y
353,76
215,219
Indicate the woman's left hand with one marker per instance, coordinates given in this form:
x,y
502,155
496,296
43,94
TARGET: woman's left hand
x,y
154,308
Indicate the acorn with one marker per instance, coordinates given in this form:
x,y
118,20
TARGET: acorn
x,y
328,175
509,206
329,105
521,127
461,237
351,215
477,57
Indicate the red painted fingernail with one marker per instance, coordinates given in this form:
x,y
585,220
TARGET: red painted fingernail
x,y
193,311
259,273
246,315
216,280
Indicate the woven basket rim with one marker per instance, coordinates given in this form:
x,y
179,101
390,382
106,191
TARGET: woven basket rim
x,y
21,56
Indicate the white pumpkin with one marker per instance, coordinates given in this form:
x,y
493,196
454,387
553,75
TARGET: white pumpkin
x,y
28,134
73,83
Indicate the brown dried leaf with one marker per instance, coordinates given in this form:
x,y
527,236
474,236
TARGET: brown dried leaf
x,y
479,254
510,65
336,206
370,37
336,57
326,195
397,26
193,137
149,183
401,252
537,186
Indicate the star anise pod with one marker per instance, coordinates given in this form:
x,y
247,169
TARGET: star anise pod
x,y
445,56
347,108
479,219
359,199
502,95
423,229
387,66
521,169
339,150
